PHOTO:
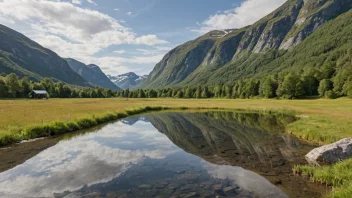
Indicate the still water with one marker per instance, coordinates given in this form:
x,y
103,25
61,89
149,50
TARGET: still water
x,y
171,154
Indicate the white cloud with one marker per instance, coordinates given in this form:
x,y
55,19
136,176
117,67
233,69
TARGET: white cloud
x,y
72,31
247,13
79,2
119,51
129,13
92,2
116,9
150,40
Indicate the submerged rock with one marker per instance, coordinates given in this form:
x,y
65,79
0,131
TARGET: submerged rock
x,y
331,153
144,186
189,195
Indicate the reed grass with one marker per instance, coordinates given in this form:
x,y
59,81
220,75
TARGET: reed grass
x,y
339,176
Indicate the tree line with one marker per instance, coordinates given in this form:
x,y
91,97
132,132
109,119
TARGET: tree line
x,y
325,82
287,85
11,86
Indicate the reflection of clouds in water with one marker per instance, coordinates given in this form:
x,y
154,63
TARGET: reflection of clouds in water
x,y
247,180
83,160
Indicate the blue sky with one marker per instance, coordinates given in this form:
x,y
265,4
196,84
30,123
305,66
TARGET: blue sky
x,y
125,35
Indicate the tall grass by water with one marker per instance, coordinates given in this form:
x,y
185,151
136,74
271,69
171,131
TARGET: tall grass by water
x,y
339,176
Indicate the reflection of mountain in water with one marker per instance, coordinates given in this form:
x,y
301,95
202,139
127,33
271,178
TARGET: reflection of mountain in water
x,y
132,120
253,141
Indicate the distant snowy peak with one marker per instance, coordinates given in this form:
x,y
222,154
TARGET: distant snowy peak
x,y
127,80
141,78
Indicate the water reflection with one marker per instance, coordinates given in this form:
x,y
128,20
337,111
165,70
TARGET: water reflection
x,y
131,158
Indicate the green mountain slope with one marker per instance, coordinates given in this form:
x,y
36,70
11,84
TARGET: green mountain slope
x,y
92,74
300,33
20,55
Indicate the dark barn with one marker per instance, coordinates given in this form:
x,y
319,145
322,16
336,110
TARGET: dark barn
x,y
38,94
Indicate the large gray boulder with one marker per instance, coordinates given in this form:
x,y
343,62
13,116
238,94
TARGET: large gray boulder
x,y
331,153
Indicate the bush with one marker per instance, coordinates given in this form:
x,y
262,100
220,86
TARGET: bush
x,y
330,94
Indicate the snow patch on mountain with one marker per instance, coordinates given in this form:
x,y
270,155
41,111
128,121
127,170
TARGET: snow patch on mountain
x,y
127,80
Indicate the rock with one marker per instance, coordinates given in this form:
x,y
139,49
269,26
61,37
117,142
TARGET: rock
x,y
331,153
162,184
217,187
229,190
172,187
191,177
187,188
189,195
144,186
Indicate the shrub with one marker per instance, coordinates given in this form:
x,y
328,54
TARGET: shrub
x,y
330,94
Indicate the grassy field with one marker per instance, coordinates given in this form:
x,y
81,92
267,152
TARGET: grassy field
x,y
322,121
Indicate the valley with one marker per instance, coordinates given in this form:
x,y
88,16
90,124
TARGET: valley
x,y
158,107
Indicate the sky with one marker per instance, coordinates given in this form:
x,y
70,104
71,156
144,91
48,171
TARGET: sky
x,y
125,35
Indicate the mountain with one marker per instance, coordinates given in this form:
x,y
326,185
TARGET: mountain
x,y
92,74
299,34
21,55
127,80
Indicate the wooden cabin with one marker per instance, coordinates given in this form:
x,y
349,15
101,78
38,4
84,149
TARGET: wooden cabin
x,y
39,94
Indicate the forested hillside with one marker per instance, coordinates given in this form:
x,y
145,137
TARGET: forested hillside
x,y
92,74
24,57
303,37
11,86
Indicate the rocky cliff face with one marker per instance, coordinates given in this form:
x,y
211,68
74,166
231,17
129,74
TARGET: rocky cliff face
x,y
231,54
20,55
92,74
312,15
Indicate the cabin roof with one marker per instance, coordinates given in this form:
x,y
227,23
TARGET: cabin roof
x,y
40,92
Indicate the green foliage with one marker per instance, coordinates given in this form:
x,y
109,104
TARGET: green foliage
x,y
13,87
286,85
291,87
324,86
338,175
268,87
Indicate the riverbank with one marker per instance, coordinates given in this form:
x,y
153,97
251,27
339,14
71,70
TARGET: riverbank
x,y
323,121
